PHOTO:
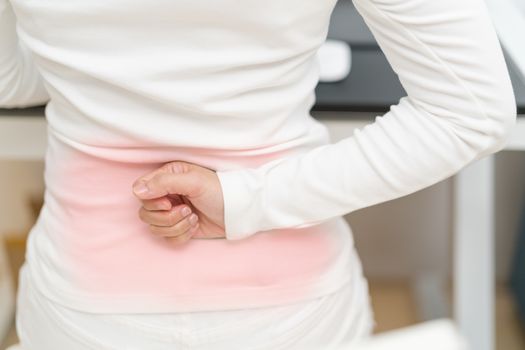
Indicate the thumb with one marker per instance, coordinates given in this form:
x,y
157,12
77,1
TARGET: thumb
x,y
162,184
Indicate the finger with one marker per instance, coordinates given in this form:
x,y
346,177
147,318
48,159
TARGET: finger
x,y
170,167
136,186
162,184
166,218
175,167
162,203
172,231
183,238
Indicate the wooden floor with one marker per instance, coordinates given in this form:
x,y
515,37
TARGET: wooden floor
x,y
394,308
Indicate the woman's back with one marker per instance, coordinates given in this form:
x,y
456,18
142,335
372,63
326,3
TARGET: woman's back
x,y
133,85
228,85
226,75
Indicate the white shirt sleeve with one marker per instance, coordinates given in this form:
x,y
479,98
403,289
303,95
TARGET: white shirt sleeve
x,y
21,84
459,107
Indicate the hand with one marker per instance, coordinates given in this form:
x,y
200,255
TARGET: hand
x,y
173,187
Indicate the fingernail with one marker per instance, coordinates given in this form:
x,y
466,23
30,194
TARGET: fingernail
x,y
193,218
141,188
185,211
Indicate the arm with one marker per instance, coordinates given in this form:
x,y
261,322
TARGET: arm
x,y
459,107
21,84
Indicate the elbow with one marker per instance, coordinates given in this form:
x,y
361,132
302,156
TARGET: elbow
x,y
490,129
504,120
21,85
11,91
495,130
9,98
8,83
16,91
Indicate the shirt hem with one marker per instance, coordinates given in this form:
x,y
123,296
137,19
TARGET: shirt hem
x,y
255,298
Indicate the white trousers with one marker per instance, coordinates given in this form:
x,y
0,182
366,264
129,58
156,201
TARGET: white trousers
x,y
332,321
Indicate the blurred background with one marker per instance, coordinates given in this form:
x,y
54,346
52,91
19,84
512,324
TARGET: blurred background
x,y
410,248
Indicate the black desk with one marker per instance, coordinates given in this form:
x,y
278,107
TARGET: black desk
x,y
371,85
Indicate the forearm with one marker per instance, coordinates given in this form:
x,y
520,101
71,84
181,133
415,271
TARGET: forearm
x,y
460,107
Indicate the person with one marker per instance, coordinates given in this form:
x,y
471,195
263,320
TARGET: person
x,y
206,107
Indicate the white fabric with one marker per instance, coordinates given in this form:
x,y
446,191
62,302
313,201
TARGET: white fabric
x,y
460,107
132,85
328,322
229,85
460,104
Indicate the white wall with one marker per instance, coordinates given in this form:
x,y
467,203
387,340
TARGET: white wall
x,y
401,237
406,236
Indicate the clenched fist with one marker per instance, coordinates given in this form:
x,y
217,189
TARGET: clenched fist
x,y
168,192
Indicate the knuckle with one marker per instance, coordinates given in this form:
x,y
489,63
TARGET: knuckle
x,y
135,183
180,239
157,230
178,167
172,218
185,224
179,230
193,230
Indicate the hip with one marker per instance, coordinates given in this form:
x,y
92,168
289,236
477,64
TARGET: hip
x,y
136,274
332,320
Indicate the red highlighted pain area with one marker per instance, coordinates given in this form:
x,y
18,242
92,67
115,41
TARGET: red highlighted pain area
x,y
107,249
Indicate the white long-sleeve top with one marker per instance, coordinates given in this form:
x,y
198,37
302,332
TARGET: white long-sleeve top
x,y
229,85
460,107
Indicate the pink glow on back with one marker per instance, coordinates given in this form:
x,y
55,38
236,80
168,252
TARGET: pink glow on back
x,y
111,251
